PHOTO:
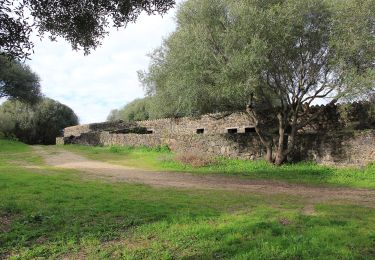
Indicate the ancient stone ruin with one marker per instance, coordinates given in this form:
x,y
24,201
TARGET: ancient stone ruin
x,y
232,136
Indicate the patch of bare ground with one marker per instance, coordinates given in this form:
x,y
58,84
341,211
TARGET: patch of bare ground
x,y
58,157
5,223
81,255
128,243
4,256
5,226
131,244
309,209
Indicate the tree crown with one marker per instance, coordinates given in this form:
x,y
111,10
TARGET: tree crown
x,y
82,23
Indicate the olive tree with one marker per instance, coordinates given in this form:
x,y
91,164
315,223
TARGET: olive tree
x,y
17,81
83,23
273,59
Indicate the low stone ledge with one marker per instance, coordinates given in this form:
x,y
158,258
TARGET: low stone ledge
x,y
60,141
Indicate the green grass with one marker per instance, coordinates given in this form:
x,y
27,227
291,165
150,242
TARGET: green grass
x,y
163,159
51,213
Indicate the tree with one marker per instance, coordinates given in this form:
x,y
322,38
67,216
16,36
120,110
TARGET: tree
x,y
272,58
136,110
35,124
82,23
113,115
17,81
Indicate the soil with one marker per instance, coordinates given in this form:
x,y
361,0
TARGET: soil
x,y
58,157
5,223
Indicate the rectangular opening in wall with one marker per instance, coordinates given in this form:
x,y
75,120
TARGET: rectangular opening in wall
x,y
200,131
232,130
250,130
150,132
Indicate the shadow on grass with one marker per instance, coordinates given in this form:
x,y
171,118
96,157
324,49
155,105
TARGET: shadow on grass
x,y
58,207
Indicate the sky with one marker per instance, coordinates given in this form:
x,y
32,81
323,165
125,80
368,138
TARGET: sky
x,y
107,78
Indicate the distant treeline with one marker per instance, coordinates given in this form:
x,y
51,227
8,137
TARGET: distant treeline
x,y
38,123
355,115
137,110
27,115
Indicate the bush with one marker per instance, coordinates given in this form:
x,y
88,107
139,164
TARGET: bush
x,y
40,123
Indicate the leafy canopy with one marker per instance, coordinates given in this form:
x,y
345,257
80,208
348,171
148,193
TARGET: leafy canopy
x,y
223,51
136,110
35,124
17,81
82,23
273,57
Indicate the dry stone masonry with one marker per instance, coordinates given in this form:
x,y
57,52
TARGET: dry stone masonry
x,y
232,136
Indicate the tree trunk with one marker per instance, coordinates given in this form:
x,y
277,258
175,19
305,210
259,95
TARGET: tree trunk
x,y
286,145
269,156
280,151
280,157
266,141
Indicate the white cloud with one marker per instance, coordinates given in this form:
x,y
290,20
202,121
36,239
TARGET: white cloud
x,y
107,78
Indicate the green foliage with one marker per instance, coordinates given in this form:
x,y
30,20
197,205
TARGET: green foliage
x,y
272,59
222,51
71,217
35,124
162,159
82,23
136,110
17,81
358,115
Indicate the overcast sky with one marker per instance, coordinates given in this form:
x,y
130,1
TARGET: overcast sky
x,y
93,85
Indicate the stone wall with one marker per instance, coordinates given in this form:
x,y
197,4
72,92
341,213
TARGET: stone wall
x,y
60,141
211,124
76,130
324,141
105,126
348,149
356,116
246,146
167,126
351,148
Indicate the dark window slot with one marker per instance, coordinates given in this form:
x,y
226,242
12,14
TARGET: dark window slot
x,y
250,130
200,131
232,130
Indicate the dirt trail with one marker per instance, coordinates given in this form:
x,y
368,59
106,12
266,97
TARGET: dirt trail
x,y
58,157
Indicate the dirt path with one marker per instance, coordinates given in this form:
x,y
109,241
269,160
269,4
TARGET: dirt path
x,y
58,157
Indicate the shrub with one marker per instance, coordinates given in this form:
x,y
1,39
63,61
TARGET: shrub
x,y
40,123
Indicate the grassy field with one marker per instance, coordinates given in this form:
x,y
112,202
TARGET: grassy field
x,y
51,213
163,159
